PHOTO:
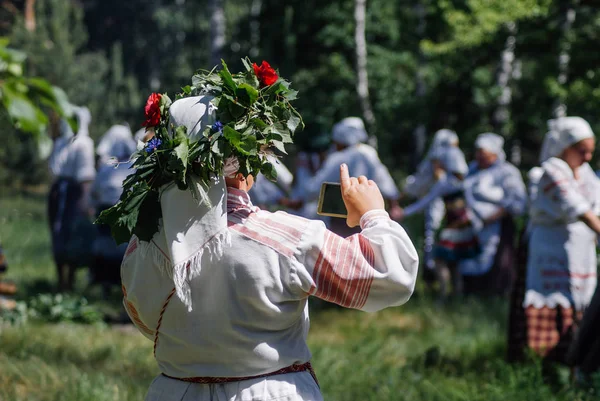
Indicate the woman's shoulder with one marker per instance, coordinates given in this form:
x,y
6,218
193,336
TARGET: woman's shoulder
x,y
556,169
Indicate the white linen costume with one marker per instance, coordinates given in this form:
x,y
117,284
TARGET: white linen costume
x,y
561,267
307,164
421,183
115,150
361,159
453,161
267,193
242,278
73,155
487,191
71,165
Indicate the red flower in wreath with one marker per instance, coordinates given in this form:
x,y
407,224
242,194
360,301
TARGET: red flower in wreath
x,y
266,75
152,110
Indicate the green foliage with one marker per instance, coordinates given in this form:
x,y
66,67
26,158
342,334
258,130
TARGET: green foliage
x,y
23,96
473,23
53,309
253,115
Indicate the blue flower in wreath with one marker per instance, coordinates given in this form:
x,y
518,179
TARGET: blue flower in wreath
x,y
153,144
217,127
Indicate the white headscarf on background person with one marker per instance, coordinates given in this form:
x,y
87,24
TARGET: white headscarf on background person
x,y
350,131
418,184
443,138
140,135
117,143
59,154
193,225
84,118
564,132
453,160
492,143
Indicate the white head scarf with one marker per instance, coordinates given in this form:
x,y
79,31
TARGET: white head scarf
x,y
492,143
139,135
444,138
350,131
192,226
453,160
59,153
84,118
564,132
117,142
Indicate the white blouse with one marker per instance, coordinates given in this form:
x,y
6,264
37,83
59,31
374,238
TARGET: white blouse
x,y
250,313
73,158
361,159
561,266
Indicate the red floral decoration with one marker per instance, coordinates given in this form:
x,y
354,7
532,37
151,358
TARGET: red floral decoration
x,y
266,75
152,110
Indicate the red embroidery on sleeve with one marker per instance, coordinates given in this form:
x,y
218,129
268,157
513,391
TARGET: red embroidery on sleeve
x,y
343,273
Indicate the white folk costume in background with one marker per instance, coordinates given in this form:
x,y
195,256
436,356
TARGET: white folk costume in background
x,y
561,264
71,164
222,290
457,240
114,150
307,165
266,193
488,191
420,184
361,159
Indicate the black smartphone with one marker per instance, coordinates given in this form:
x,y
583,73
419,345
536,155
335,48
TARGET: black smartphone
x,y
330,201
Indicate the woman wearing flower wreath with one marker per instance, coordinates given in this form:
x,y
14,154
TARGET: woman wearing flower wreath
x,y
220,286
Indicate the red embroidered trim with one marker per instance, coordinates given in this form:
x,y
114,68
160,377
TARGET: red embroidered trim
x,y
162,312
344,272
133,313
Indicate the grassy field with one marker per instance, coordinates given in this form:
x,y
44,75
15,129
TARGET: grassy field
x,y
415,352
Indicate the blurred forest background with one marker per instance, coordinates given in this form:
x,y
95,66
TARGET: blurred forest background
x,y
469,65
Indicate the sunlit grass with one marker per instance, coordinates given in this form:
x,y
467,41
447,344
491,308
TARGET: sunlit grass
x,y
415,352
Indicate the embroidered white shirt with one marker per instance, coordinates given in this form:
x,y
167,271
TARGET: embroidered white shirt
x,y
250,312
561,265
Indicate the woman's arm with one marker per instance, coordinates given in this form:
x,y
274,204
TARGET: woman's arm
x,y
368,271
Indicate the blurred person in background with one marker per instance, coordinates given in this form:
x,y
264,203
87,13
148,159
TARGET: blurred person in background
x,y
71,164
495,194
561,262
419,184
115,150
268,194
348,137
457,239
115,138
143,135
307,162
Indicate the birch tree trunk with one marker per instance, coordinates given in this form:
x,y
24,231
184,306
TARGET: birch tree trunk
x,y
217,32
255,11
560,108
362,83
30,15
501,117
420,132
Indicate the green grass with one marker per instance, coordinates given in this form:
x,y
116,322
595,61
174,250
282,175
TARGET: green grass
x,y
415,352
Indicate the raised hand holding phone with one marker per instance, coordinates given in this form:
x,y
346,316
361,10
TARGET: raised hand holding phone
x,y
360,195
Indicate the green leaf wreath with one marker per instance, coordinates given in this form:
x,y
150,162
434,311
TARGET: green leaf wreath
x,y
254,115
